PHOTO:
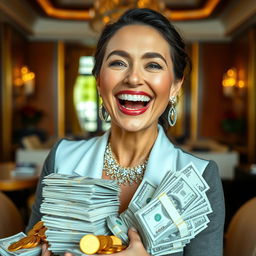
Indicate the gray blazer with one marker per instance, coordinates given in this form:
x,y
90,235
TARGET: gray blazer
x,y
85,158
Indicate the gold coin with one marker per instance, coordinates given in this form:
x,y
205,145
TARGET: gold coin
x,y
105,242
38,226
41,232
116,240
109,251
119,248
37,241
31,232
14,246
28,242
89,244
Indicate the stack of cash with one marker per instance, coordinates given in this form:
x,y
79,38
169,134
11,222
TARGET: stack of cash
x,y
74,206
168,216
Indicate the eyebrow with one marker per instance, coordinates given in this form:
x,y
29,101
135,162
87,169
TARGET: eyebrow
x,y
147,55
151,55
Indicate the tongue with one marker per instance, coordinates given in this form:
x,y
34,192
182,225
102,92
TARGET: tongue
x,y
134,104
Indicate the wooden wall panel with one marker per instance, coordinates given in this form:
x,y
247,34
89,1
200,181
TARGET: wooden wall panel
x,y
42,62
215,61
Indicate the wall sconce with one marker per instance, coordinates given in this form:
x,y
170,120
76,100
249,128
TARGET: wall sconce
x,y
231,82
25,78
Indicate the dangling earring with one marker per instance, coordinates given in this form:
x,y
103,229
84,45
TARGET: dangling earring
x,y
103,113
172,114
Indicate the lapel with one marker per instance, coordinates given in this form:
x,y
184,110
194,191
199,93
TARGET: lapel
x,y
91,164
163,157
160,159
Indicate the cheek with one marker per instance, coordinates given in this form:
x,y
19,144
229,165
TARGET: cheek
x,y
104,82
108,80
162,85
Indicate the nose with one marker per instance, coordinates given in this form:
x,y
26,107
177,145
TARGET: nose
x,y
134,77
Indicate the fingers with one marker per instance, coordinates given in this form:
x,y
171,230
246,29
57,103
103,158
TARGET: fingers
x,y
45,251
68,254
133,235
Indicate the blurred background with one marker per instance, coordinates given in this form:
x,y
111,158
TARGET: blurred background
x,y
48,92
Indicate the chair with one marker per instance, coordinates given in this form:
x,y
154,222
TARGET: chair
x,y
240,239
11,221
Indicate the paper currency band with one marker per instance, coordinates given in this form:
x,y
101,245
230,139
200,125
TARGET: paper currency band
x,y
117,230
174,214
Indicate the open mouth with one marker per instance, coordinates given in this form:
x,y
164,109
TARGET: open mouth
x,y
133,104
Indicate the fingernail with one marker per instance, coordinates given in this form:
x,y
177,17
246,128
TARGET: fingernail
x,y
134,229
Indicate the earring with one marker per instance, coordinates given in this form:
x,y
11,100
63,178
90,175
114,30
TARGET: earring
x,y
103,114
172,114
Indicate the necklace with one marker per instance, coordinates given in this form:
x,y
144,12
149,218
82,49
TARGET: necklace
x,y
123,175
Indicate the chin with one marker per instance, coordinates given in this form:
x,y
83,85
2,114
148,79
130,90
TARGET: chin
x,y
134,125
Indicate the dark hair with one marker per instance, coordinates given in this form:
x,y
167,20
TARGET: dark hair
x,y
157,21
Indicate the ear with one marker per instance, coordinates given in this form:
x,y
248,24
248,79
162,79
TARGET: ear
x,y
175,87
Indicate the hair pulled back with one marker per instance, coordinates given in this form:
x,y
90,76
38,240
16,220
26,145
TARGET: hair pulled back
x,y
151,18
145,16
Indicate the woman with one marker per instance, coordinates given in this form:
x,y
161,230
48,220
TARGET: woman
x,y
140,63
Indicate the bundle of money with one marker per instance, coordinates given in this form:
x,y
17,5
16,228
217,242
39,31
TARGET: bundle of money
x,y
167,216
74,206
21,245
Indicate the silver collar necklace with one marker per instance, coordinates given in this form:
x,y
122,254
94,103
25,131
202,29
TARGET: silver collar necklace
x,y
123,175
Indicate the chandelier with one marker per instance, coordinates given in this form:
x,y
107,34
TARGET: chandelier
x,y
106,11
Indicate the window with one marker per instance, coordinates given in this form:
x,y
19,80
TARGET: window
x,y
86,98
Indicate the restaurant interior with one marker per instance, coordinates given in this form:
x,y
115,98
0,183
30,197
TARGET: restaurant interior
x,y
48,92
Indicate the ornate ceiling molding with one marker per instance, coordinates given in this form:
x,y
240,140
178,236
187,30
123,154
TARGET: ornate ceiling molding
x,y
175,15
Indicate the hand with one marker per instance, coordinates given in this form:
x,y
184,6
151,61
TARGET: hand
x,y
45,251
135,247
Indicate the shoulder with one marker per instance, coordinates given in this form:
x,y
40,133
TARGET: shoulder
x,y
66,152
66,146
184,158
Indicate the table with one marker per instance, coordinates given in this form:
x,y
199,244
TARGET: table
x,y
8,182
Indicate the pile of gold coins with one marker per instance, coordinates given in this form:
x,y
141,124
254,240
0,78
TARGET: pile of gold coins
x,y
35,236
91,244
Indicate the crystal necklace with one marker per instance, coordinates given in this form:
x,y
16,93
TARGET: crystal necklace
x,y
123,175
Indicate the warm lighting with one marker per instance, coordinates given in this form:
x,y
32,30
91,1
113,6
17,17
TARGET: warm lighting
x,y
105,10
241,84
231,82
25,78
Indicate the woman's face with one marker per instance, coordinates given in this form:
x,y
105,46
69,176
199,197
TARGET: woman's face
x,y
136,79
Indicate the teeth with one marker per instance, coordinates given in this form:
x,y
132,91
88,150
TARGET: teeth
x,y
132,97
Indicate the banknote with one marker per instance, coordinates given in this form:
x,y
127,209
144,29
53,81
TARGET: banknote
x,y
74,206
6,242
175,213
167,216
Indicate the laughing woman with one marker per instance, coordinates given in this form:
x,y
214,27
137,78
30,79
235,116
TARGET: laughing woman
x,y
139,68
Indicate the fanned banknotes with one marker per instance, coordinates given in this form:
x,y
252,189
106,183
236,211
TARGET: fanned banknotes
x,y
168,216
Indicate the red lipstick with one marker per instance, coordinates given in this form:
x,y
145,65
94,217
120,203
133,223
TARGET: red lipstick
x,y
132,111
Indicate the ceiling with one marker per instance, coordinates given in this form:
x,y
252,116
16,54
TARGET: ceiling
x,y
221,23
84,9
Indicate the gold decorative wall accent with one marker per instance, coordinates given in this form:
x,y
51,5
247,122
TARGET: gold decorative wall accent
x,y
194,91
252,97
60,90
6,92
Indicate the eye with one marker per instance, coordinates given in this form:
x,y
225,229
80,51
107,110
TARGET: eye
x,y
117,64
154,66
